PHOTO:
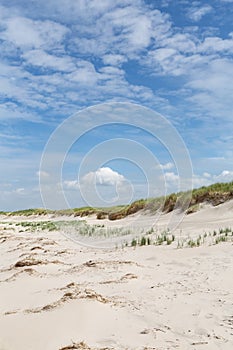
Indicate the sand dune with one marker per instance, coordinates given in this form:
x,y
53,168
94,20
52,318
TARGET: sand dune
x,y
58,295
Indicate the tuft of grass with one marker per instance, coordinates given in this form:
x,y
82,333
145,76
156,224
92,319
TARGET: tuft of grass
x,y
134,243
191,243
169,241
143,241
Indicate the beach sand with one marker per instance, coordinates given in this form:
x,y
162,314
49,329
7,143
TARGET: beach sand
x,y
56,294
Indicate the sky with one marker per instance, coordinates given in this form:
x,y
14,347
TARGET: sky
x,y
126,70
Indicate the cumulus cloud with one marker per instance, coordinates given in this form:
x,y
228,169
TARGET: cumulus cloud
x,y
167,166
172,179
71,184
100,188
205,174
103,176
224,176
207,179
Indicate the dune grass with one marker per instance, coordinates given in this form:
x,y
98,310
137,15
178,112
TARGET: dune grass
x,y
166,239
214,194
129,237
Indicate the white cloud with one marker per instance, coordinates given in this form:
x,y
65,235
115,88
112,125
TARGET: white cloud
x,y
169,61
25,33
20,190
138,27
183,42
41,74
207,179
167,166
114,60
21,32
123,30
84,74
103,176
171,177
71,184
199,181
42,59
213,89
100,188
196,14
206,175
10,111
42,174
110,72
113,32
224,176
172,180
216,45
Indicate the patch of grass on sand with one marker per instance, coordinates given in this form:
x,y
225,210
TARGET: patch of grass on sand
x,y
37,225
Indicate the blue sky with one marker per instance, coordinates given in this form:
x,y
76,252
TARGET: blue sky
x,y
59,57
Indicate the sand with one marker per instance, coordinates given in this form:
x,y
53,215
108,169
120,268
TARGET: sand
x,y
56,294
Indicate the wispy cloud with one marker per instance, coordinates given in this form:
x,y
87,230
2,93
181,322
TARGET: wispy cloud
x,y
50,55
196,13
26,33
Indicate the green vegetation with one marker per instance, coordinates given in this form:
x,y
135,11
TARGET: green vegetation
x,y
214,194
37,226
72,227
215,237
29,212
150,239
134,243
165,238
193,208
75,228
